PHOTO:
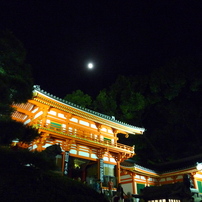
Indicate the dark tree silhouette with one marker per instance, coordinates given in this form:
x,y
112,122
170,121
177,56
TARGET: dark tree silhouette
x,y
15,75
15,87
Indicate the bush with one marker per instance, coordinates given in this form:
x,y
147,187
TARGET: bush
x,y
22,183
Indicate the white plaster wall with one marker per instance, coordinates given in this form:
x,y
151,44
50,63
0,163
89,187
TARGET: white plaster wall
x,y
38,114
142,178
27,121
179,177
169,178
198,176
52,112
162,180
123,177
86,154
61,115
127,188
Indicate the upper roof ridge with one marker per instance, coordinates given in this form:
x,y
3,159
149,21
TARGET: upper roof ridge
x,y
111,118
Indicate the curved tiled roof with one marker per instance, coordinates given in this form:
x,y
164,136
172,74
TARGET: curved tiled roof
x,y
166,168
110,118
133,166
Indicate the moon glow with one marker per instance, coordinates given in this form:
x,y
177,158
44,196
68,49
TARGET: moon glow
x,y
90,65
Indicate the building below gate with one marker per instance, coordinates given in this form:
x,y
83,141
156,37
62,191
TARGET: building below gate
x,y
135,178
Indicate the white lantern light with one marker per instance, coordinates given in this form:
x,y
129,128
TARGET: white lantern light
x,y
199,166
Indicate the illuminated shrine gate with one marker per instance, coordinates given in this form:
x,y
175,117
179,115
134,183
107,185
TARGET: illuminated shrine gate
x,y
88,139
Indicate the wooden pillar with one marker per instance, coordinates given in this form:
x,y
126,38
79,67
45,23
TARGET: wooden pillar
x,y
99,127
158,182
68,117
133,183
44,116
174,178
115,132
146,177
119,159
193,180
118,172
39,147
41,141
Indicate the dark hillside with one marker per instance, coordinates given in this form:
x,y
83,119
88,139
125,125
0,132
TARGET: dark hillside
x,y
22,183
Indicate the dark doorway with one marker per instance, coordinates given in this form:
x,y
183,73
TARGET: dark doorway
x,y
82,169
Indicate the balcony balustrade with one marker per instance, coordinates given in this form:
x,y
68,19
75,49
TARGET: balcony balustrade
x,y
85,135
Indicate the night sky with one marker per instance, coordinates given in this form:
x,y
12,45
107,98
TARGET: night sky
x,y
125,37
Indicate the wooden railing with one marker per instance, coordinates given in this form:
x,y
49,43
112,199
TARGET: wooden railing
x,y
78,133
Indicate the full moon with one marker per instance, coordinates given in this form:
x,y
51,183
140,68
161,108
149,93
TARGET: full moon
x,y
90,65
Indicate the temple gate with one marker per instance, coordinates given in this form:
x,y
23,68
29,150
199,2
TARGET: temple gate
x,y
87,138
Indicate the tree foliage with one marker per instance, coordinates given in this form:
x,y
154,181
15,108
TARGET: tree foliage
x,y
15,87
166,102
120,100
105,102
12,130
173,120
15,75
80,98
